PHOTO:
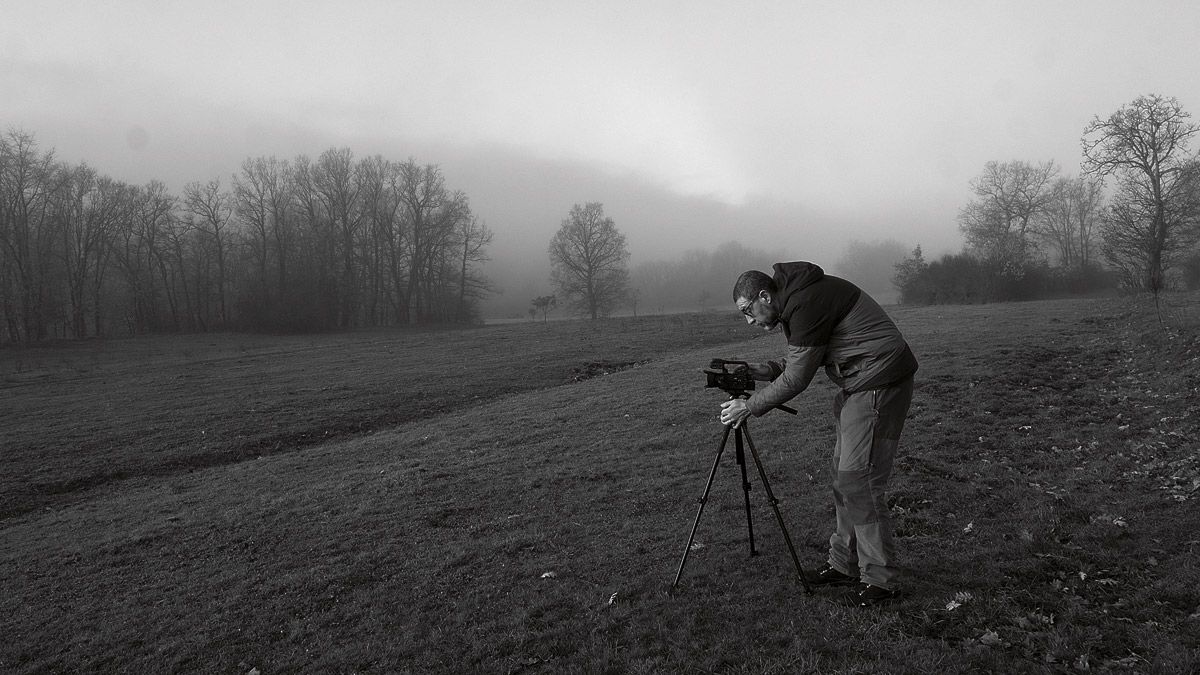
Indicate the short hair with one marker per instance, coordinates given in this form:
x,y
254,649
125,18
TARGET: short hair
x,y
751,283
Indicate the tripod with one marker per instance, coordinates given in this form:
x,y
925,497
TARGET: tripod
x,y
742,432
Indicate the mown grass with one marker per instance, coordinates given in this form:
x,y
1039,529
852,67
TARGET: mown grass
x,y
79,416
1045,500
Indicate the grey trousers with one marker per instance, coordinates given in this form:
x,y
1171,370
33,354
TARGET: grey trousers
x,y
868,430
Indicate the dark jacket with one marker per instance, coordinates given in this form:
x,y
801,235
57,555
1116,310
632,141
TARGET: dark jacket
x,y
831,322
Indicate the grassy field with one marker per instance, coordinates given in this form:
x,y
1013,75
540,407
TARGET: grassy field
x,y
515,499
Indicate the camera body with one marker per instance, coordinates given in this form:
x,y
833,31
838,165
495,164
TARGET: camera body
x,y
732,377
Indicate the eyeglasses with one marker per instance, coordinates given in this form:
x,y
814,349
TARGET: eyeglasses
x,y
748,310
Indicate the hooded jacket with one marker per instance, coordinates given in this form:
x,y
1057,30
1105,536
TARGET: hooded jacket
x,y
830,322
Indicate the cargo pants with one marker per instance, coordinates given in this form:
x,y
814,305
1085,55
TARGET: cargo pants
x,y
868,430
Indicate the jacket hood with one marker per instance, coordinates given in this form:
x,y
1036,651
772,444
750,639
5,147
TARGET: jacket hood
x,y
791,277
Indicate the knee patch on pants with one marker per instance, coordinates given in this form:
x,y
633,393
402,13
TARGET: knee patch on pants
x,y
852,491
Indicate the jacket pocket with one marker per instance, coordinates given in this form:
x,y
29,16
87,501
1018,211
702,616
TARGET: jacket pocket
x,y
848,369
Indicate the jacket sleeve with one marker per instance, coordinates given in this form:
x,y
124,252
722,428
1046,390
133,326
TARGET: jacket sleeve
x,y
802,363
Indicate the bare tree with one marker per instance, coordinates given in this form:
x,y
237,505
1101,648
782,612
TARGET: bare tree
x,y
472,238
385,233
543,304
264,199
1068,221
422,191
1135,240
1145,145
87,214
138,254
337,188
589,260
212,208
324,244
316,248
1009,196
438,265
29,181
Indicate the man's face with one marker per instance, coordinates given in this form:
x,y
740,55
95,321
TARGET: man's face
x,y
759,311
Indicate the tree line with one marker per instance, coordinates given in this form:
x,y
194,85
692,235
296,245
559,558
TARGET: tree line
x,y
329,243
1032,232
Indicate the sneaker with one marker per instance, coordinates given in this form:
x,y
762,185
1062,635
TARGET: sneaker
x,y
829,576
869,595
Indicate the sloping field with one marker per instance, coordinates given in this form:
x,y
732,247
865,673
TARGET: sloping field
x,y
490,501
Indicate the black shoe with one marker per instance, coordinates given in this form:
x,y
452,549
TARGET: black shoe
x,y
869,595
829,576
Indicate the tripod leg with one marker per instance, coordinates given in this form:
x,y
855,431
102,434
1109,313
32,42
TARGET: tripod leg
x,y
703,500
762,474
741,460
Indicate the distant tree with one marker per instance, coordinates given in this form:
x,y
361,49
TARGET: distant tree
x,y
589,260
908,275
472,239
423,194
1154,213
543,304
957,279
1068,221
675,284
139,256
1008,198
338,188
87,215
1191,271
30,182
297,245
211,209
871,266
383,252
264,196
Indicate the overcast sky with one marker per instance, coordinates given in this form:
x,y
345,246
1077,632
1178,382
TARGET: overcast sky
x,y
789,126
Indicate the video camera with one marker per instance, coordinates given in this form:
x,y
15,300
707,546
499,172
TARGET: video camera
x,y
732,377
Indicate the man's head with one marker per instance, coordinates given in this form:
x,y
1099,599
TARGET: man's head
x,y
754,295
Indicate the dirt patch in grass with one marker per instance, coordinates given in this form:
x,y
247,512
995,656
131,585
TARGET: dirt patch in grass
x,y
596,368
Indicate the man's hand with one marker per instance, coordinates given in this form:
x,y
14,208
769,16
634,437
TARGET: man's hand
x,y
734,411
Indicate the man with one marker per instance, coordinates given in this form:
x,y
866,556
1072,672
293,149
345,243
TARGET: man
x,y
830,322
